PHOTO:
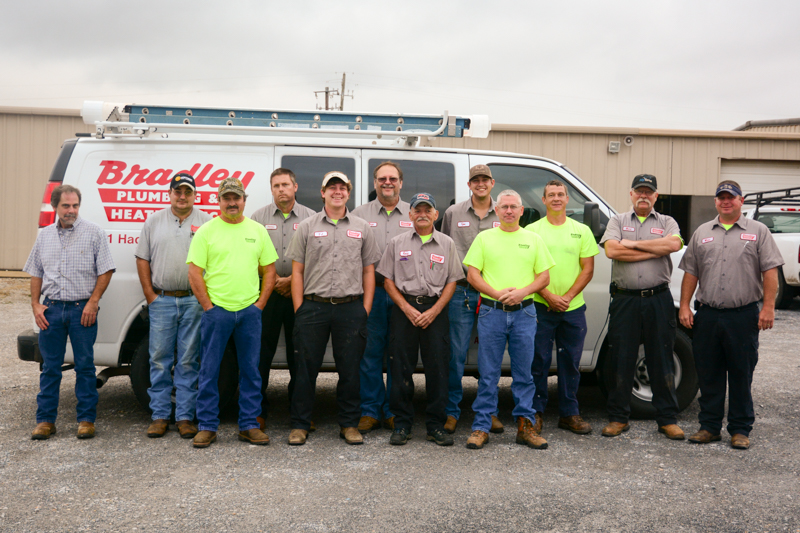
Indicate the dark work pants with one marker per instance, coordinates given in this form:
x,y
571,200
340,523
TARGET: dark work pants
x,y
279,312
650,321
405,342
725,346
346,326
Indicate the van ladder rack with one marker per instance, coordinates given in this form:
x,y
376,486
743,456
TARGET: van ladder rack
x,y
789,197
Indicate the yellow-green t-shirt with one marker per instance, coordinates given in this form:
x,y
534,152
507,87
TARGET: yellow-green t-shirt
x,y
426,238
726,226
508,259
567,243
230,254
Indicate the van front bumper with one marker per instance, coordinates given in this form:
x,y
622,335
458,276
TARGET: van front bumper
x,y
28,346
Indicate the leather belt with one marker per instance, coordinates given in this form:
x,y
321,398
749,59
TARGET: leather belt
x,y
335,301
463,283
642,293
420,299
175,294
698,305
504,307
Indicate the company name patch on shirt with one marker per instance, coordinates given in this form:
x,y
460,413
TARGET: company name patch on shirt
x,y
707,239
247,239
354,234
657,231
463,224
373,224
628,228
405,253
437,259
495,224
575,235
525,246
748,237
406,224
320,234
195,228
295,225
271,226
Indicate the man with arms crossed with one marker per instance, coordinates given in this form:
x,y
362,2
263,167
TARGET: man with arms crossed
x,y
232,250
462,222
281,218
387,215
639,242
421,269
173,310
71,265
507,265
728,256
560,308
333,258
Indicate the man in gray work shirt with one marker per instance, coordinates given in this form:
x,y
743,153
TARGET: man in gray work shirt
x,y
173,310
281,218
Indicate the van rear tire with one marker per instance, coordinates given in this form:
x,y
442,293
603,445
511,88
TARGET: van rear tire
x,y
785,294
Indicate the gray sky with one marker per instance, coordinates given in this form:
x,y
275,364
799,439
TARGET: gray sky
x,y
680,64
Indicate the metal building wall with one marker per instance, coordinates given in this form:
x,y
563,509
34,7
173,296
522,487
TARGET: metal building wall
x,y
30,140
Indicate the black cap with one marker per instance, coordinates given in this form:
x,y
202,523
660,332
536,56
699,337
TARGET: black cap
x,y
645,180
182,178
423,198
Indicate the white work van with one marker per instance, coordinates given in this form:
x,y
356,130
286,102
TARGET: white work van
x,y
123,171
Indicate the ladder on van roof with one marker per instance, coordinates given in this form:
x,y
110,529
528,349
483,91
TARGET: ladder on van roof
x,y
141,120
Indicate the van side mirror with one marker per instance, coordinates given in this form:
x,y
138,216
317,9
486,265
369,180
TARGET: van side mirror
x,y
591,217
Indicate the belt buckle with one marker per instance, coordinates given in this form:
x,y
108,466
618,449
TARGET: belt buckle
x,y
507,310
332,302
645,293
416,299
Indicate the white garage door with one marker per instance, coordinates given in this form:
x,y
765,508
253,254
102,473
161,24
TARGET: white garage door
x,y
756,176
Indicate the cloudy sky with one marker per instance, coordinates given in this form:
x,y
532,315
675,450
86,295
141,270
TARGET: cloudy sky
x,y
650,64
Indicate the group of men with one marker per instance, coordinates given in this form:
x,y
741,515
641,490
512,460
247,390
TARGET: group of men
x,y
383,285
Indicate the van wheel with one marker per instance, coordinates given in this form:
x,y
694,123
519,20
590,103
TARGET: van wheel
x,y
686,385
140,376
785,294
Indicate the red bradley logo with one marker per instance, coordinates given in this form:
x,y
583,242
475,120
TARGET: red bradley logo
x,y
437,259
406,224
657,231
748,237
354,234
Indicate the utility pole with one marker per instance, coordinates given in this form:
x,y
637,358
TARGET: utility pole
x,y
335,92
328,92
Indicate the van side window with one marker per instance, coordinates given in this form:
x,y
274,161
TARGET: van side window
x,y
310,171
529,182
434,177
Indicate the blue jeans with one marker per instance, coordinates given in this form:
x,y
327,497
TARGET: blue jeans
x,y
462,311
216,328
65,321
174,320
374,398
496,328
568,330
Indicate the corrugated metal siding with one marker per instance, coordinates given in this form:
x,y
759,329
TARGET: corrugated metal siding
x,y
29,145
794,128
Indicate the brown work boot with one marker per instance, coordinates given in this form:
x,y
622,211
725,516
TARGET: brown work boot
x,y
575,424
204,438
262,423
388,423
704,437
312,427
450,424
614,429
538,423
186,429
477,440
158,428
367,424
85,430
351,436
297,437
526,435
43,431
740,442
497,426
254,436
672,431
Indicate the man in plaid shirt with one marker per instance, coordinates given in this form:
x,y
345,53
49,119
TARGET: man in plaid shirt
x,y
70,265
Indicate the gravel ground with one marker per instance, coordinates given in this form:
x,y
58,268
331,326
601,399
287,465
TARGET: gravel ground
x,y
123,481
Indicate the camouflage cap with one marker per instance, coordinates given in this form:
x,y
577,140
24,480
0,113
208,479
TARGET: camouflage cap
x,y
233,185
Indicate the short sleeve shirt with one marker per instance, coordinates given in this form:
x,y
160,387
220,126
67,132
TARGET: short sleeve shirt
x,y
640,274
334,255
509,259
281,230
421,269
164,242
230,254
69,260
728,264
385,226
462,225
568,244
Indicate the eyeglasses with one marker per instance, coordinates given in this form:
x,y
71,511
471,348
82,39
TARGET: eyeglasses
x,y
390,180
507,207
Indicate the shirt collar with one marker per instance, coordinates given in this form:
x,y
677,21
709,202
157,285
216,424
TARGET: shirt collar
x,y
741,222
398,208
433,235
77,222
633,214
330,220
471,207
276,210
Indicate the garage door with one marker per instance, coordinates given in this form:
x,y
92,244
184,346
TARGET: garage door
x,y
756,176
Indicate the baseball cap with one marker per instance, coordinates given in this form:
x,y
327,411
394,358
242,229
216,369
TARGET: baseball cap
x,y
480,170
232,185
645,180
728,187
182,178
423,198
335,175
